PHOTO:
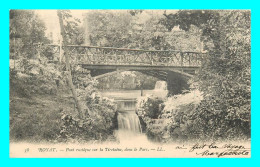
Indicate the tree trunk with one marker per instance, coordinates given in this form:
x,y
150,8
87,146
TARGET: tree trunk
x,y
68,70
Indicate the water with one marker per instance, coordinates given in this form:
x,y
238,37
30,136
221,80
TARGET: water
x,y
160,85
129,121
129,127
160,89
127,118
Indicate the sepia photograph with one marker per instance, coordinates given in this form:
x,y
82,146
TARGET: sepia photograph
x,y
130,83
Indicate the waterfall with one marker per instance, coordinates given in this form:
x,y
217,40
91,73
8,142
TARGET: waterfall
x,y
129,126
160,89
160,85
129,121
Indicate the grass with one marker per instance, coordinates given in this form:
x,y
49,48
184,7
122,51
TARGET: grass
x,y
37,118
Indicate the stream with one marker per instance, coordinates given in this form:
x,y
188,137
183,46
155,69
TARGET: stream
x,y
129,127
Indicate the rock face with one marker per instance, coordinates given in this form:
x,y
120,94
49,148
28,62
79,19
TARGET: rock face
x,y
172,119
180,102
177,111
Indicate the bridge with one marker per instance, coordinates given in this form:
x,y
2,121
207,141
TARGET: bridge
x,y
104,61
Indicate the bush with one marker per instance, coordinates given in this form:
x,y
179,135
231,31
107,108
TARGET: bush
x,y
171,120
221,124
149,106
178,112
35,79
98,125
193,117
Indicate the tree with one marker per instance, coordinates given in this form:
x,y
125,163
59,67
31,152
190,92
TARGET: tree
x,y
135,29
26,29
225,75
65,33
108,28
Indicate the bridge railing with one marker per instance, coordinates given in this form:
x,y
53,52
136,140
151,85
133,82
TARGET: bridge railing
x,y
94,55
121,56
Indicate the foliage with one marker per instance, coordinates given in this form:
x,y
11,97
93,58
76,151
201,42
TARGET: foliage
x,y
224,79
98,125
225,75
175,119
174,102
128,80
99,120
36,78
148,109
26,28
108,28
137,29
178,112
32,81
74,34
149,106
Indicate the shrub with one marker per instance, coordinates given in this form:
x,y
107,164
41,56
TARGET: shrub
x,y
178,112
149,106
193,117
98,125
148,109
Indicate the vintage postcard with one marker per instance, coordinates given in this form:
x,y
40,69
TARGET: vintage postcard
x,y
130,83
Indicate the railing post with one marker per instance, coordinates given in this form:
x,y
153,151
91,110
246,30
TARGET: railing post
x,y
181,58
182,61
151,57
189,58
